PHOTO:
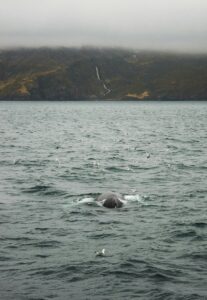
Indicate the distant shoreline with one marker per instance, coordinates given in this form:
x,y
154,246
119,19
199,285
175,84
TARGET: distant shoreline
x,y
68,74
106,100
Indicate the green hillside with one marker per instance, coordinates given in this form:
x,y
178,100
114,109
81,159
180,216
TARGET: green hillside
x,y
74,74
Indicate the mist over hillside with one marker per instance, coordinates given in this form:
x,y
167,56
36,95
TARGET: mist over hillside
x,y
95,73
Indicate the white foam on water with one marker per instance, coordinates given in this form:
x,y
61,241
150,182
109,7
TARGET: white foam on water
x,y
133,198
87,200
100,203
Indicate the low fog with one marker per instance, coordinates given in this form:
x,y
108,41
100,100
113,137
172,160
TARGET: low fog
x,y
175,25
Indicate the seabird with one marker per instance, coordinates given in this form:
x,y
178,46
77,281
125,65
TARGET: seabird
x,y
100,253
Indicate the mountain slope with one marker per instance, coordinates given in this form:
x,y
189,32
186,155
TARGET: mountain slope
x,y
74,74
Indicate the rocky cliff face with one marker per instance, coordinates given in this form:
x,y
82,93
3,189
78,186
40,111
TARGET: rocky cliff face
x,y
74,74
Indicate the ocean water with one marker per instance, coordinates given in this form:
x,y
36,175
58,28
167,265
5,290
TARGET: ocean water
x,y
56,157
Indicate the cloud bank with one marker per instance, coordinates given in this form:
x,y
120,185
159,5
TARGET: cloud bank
x,y
143,24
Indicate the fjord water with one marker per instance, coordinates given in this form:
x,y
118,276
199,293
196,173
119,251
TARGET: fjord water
x,y
56,157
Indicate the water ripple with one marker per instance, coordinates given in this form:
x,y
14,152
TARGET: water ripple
x,y
56,158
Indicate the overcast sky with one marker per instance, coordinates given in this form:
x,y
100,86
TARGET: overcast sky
x,y
143,24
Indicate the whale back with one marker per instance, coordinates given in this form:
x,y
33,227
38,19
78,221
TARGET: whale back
x,y
111,200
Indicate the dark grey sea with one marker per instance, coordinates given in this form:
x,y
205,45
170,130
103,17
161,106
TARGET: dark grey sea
x,y
56,157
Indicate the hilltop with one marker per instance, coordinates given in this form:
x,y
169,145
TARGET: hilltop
x,y
90,73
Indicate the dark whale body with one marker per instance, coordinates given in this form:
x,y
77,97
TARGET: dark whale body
x,y
111,200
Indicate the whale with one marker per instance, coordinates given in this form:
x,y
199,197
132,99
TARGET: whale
x,y
111,200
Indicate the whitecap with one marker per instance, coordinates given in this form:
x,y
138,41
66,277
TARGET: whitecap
x,y
87,200
133,198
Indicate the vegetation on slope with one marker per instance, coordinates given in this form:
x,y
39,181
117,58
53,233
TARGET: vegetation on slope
x,y
71,74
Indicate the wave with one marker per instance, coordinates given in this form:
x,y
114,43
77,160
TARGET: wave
x,y
46,244
46,190
185,234
199,224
